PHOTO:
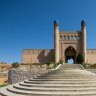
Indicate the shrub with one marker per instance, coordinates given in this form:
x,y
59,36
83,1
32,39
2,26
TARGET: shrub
x,y
49,62
87,65
36,63
93,65
55,65
15,65
80,59
60,62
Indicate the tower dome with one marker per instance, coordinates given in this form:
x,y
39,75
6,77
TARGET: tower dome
x,y
83,23
56,23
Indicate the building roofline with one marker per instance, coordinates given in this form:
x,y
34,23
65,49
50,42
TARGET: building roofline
x,y
91,48
67,32
38,49
70,31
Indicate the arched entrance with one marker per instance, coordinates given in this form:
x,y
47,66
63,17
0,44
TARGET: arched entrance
x,y
70,53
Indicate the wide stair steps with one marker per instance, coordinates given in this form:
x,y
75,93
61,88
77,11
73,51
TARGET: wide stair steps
x,y
68,80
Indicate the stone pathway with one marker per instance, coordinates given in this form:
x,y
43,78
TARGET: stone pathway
x,y
68,80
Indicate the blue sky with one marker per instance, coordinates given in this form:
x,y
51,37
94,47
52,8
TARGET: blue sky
x,y
29,24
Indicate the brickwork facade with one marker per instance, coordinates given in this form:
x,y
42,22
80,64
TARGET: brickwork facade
x,y
91,56
37,55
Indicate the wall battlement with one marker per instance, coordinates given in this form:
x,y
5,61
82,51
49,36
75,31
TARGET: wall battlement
x,y
91,51
91,56
64,31
35,51
37,55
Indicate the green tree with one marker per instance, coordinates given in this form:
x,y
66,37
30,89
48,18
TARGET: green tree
x,y
80,59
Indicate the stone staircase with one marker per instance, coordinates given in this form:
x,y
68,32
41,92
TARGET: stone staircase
x,y
68,80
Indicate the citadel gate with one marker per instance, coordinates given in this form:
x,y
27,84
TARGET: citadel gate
x,y
70,53
68,44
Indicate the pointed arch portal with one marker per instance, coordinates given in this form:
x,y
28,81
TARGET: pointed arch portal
x,y
70,54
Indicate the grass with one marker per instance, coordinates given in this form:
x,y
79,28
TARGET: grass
x,y
90,66
3,85
3,82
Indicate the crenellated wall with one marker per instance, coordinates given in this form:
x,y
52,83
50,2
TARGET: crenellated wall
x,y
72,41
91,56
37,55
45,55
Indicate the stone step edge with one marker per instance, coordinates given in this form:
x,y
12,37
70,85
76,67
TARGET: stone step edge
x,y
78,85
55,82
45,88
61,79
36,92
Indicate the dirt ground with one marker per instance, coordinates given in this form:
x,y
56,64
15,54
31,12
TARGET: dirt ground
x,y
3,80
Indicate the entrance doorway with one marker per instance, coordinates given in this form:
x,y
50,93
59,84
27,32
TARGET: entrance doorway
x,y
70,59
70,55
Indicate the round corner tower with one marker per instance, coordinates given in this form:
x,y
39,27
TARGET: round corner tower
x,y
56,41
83,29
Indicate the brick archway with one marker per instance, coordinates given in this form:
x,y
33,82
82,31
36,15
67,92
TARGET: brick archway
x,y
70,53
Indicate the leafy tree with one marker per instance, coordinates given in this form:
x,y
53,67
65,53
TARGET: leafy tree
x,y
80,59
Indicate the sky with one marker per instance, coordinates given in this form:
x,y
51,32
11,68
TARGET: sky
x,y
70,61
28,24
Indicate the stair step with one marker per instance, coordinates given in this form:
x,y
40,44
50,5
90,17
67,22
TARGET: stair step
x,y
59,82
46,88
68,80
49,92
58,85
59,79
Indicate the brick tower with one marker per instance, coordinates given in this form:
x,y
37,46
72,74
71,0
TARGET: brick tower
x,y
56,41
83,29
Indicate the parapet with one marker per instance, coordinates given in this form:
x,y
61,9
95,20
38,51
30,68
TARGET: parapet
x,y
36,51
91,51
